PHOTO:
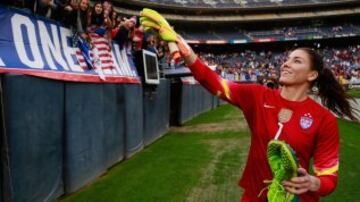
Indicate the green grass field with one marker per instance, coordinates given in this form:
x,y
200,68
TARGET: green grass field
x,y
354,92
203,161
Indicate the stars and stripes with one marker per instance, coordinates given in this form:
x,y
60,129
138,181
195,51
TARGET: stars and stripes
x,y
105,60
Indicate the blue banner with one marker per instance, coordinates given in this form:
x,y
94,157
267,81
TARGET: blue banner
x,y
41,47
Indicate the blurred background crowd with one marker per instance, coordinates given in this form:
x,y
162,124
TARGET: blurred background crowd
x,y
263,67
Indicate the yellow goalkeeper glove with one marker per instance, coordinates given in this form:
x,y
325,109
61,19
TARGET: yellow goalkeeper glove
x,y
150,19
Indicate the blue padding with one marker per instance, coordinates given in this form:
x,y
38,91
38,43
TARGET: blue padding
x,y
113,120
196,96
133,118
207,100
214,102
188,102
34,114
94,131
156,112
195,99
222,102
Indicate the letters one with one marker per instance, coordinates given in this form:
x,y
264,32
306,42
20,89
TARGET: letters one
x,y
53,46
17,21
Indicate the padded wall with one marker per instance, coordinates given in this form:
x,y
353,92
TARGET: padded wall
x,y
133,119
34,114
94,139
156,110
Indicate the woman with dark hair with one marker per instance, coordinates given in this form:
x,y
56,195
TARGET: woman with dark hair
x,y
108,11
114,17
287,114
96,16
44,8
80,15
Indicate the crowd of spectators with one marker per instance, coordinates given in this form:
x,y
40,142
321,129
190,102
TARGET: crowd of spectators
x,y
235,3
316,30
344,63
313,30
263,67
246,66
100,18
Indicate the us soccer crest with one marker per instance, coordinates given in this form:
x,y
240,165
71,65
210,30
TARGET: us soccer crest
x,y
306,121
284,115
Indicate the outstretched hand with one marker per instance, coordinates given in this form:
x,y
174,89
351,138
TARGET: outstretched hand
x,y
151,19
302,184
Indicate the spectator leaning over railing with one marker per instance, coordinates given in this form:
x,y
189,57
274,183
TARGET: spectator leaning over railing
x,y
45,8
124,32
108,12
65,12
99,23
163,54
138,38
96,16
114,21
80,18
119,19
151,44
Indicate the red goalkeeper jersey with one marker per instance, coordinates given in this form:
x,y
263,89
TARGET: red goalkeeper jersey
x,y
312,132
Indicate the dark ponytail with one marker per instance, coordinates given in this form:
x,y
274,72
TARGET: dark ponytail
x,y
332,94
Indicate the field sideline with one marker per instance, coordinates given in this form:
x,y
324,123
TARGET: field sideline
x,y
203,161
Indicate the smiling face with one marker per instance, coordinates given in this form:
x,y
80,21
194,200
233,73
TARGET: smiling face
x,y
98,8
84,5
297,69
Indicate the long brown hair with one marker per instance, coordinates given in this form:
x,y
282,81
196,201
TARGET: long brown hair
x,y
332,94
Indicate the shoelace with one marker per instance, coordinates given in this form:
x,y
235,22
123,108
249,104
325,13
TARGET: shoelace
x,y
278,191
278,184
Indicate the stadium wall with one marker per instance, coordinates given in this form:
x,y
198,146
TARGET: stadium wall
x,y
63,135
34,121
189,99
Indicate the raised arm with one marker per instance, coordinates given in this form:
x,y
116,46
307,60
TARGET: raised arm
x,y
225,89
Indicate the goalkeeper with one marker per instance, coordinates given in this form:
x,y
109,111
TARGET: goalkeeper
x,y
288,114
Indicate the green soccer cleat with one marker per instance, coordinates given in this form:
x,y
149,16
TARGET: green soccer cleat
x,y
284,166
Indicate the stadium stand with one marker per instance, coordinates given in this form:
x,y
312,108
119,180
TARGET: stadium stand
x,y
255,66
236,3
297,32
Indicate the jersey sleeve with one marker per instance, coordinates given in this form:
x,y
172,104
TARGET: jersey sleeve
x,y
326,156
244,96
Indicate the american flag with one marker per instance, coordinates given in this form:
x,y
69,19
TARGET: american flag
x,y
105,60
101,50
